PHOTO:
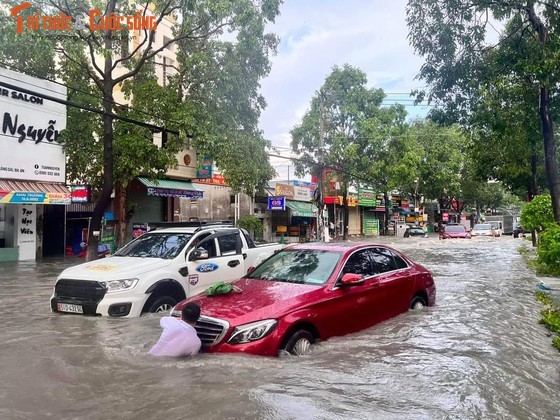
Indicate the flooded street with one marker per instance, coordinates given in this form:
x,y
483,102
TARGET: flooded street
x,y
478,354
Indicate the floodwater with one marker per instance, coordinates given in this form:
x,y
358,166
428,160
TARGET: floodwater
x,y
478,354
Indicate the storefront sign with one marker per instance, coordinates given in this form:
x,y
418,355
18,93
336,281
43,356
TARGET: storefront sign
x,y
367,198
276,203
29,130
26,231
204,169
80,193
215,180
138,229
170,192
26,197
292,192
371,226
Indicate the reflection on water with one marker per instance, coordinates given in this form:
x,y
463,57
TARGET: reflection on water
x,y
479,353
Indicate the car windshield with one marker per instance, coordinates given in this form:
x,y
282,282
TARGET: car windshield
x,y
482,227
455,229
156,245
305,266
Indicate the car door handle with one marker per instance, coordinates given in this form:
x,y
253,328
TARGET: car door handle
x,y
233,263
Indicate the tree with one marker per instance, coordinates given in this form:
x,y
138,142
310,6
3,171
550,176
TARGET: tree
x,y
345,103
451,35
109,62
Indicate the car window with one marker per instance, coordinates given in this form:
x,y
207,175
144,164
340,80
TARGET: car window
x,y
383,260
209,246
156,245
297,266
455,229
228,243
359,263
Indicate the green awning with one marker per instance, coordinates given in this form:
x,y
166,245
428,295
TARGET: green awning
x,y
302,209
171,188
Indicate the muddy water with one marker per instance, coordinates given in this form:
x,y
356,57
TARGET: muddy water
x,y
479,353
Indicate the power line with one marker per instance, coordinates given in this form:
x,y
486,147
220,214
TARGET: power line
x,y
115,103
152,127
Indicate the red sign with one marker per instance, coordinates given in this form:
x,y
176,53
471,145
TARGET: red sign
x,y
215,180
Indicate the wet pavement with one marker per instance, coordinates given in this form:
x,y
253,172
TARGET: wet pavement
x,y
478,354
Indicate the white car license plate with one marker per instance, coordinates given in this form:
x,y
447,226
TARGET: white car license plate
x,y
66,307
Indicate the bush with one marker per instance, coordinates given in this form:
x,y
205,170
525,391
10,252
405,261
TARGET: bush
x,y
549,247
252,224
537,214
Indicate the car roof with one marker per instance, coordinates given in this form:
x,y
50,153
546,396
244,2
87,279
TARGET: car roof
x,y
189,229
335,246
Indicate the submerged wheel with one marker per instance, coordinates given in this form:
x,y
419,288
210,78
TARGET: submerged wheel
x,y
417,302
162,304
299,343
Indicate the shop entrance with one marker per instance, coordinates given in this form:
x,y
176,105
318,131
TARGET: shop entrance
x,y
53,230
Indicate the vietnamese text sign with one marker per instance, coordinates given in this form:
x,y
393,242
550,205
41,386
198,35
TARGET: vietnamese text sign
x,y
29,129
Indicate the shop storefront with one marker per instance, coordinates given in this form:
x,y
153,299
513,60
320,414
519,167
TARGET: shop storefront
x,y
33,189
294,216
156,200
373,212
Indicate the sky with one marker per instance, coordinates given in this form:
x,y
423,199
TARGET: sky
x,y
315,36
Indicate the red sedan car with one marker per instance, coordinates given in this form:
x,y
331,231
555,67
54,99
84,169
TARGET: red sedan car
x,y
310,292
454,231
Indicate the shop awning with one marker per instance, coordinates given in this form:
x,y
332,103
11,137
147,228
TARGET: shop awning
x,y
302,209
171,188
30,192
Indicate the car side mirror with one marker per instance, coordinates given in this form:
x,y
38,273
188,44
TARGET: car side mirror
x,y
250,270
199,254
351,279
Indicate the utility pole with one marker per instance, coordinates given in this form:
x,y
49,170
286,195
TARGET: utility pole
x,y
320,186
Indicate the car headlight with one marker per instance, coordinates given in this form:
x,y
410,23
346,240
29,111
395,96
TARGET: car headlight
x,y
112,286
252,332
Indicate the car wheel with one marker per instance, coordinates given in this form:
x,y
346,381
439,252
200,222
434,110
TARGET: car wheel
x,y
299,343
162,304
417,302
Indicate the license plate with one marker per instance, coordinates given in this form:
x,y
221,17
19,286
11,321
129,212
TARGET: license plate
x,y
66,307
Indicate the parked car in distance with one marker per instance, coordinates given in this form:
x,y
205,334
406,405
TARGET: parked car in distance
x,y
310,292
454,231
415,231
518,231
484,229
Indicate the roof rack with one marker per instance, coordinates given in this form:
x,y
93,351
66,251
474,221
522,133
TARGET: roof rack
x,y
200,224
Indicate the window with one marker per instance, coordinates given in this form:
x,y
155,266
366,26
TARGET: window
x,y
359,263
384,260
228,243
125,48
165,41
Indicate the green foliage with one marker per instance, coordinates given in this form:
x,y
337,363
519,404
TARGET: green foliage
x,y
549,247
537,215
354,130
252,224
550,316
494,90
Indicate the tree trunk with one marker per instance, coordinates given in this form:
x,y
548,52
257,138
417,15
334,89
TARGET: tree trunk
x,y
551,165
386,221
346,214
105,197
121,215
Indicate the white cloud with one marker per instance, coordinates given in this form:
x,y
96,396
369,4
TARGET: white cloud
x,y
315,36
